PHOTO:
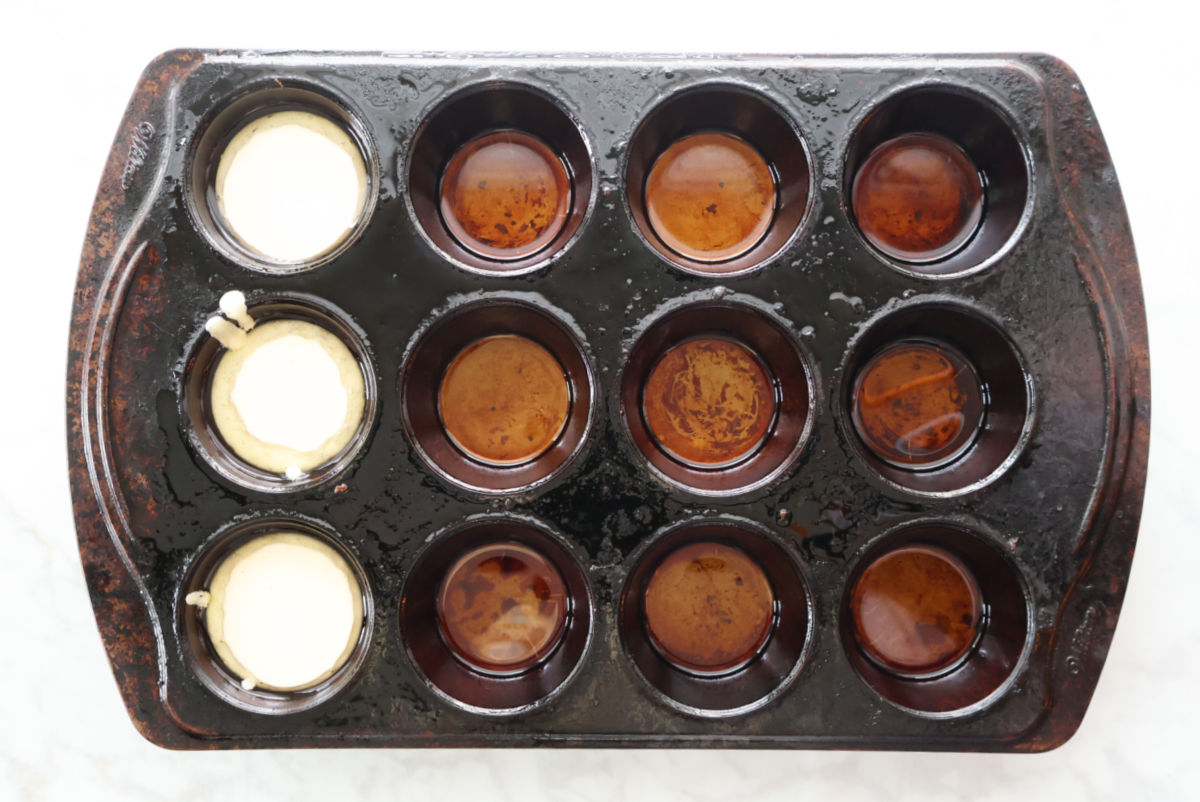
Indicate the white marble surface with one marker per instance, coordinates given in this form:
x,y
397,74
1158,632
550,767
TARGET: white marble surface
x,y
63,731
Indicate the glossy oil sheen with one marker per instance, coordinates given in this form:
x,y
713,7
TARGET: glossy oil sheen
x,y
917,404
710,197
709,402
504,400
709,608
918,197
502,608
917,610
505,195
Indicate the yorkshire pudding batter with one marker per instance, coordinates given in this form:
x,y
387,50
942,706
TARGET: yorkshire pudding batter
x,y
283,611
289,398
291,185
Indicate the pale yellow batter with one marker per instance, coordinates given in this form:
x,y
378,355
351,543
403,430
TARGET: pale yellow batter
x,y
288,398
291,185
283,612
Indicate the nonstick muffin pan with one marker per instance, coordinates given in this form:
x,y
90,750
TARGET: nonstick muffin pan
x,y
722,401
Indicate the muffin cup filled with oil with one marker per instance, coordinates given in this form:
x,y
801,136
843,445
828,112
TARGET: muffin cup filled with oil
x,y
498,394
715,616
718,179
935,618
502,608
716,396
496,614
917,404
936,400
499,178
937,181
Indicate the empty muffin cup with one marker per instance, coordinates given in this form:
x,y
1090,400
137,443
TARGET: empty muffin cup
x,y
287,403
277,614
502,608
917,404
282,178
918,197
505,195
710,196
496,614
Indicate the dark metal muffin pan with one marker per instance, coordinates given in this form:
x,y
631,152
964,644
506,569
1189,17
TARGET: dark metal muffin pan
x,y
1045,301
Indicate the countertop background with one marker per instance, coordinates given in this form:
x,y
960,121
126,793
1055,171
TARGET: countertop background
x,y
68,72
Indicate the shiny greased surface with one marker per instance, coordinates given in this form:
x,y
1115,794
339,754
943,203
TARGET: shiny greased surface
x,y
502,607
708,401
710,197
505,195
708,607
918,197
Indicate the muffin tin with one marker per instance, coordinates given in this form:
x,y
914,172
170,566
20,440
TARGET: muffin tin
x,y
1024,273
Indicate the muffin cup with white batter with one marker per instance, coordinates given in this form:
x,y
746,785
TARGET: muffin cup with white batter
x,y
283,178
277,613
291,404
